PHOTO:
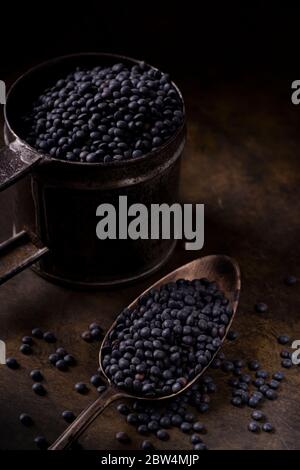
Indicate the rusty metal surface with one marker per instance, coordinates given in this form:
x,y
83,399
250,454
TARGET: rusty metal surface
x,y
17,253
242,161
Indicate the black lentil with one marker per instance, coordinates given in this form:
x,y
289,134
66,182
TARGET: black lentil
x,y
26,349
257,415
41,442
123,409
200,446
53,358
186,427
61,365
132,418
101,388
147,445
253,426
94,326
25,419
165,422
199,427
258,382
263,389
81,388
189,417
142,429
61,352
86,336
216,363
176,420
68,416
261,307
96,333
271,394
246,378
274,384
258,395
253,365
195,439
267,427
232,335
237,401
162,435
122,437
283,339
27,340
263,374
37,333
287,363
253,401
243,386
96,380
211,388
49,337
70,360
12,363
39,389
153,425
36,375
203,407
278,376
290,280
227,366
238,363
285,354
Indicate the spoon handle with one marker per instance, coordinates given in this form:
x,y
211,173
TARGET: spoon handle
x,y
86,417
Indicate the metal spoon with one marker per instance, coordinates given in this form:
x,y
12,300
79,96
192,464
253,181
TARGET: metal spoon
x,y
221,269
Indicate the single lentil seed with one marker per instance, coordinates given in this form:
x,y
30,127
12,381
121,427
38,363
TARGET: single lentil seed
x,y
25,419
36,375
39,389
122,437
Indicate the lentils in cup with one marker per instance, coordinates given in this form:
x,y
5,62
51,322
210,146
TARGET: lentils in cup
x,y
160,345
105,114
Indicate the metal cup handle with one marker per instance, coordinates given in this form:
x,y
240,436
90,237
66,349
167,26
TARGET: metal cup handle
x,y
15,162
23,249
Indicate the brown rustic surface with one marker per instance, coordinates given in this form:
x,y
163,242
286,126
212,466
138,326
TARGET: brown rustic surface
x,y
242,161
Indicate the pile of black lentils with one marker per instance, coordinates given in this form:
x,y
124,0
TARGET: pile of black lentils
x,y
160,345
105,114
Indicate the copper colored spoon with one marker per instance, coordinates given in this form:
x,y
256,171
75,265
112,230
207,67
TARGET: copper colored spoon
x,y
221,269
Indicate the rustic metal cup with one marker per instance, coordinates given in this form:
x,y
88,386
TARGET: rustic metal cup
x,y
55,214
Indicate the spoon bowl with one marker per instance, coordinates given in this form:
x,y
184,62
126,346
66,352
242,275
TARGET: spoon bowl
x,y
217,268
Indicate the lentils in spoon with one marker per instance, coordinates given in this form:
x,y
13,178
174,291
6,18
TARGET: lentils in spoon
x,y
172,333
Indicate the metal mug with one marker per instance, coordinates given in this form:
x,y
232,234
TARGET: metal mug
x,y
55,215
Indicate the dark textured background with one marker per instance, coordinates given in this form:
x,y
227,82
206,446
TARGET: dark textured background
x,y
182,37
235,67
